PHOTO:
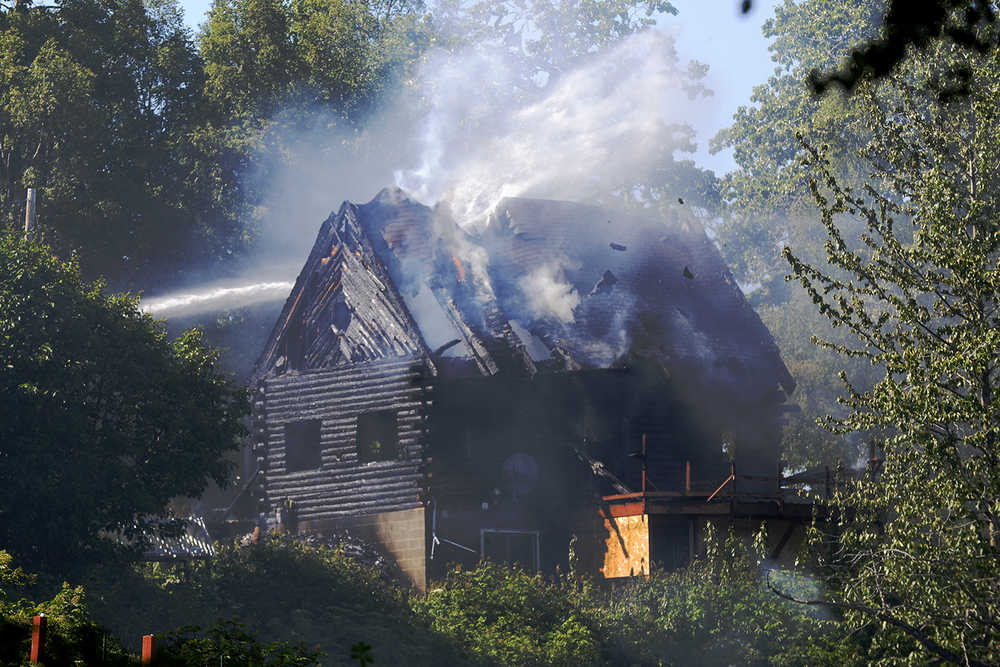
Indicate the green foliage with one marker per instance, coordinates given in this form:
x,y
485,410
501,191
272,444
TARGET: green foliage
x,y
915,25
362,652
145,149
716,611
913,560
97,100
72,637
104,418
507,616
547,39
769,204
278,591
768,195
265,55
228,642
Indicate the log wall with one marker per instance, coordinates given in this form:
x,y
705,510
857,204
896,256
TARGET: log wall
x,y
343,485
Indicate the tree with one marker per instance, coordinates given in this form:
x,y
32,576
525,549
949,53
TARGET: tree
x,y
908,24
913,559
100,101
103,418
767,193
905,25
768,204
285,80
334,57
547,39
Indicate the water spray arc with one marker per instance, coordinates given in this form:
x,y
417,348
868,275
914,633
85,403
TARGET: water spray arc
x,y
215,299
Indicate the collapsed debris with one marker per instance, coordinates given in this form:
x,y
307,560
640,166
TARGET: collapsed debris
x,y
605,284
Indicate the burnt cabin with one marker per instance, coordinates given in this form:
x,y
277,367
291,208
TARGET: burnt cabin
x,y
453,396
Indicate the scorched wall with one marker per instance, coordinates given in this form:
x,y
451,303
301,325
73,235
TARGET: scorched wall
x,y
341,483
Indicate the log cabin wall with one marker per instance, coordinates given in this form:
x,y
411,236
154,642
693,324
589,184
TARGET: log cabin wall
x,y
339,481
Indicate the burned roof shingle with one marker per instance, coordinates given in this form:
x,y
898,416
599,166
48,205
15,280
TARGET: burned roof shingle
x,y
646,302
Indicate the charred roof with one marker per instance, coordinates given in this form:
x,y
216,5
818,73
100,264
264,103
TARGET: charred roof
x,y
545,286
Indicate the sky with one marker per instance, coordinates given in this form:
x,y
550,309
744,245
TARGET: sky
x,y
714,32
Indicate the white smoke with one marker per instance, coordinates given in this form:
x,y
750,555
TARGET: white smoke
x,y
607,124
465,132
548,294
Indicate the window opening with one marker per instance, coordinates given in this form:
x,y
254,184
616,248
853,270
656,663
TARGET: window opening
x,y
378,438
302,445
511,546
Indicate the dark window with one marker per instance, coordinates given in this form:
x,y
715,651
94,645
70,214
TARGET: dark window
x,y
377,436
302,445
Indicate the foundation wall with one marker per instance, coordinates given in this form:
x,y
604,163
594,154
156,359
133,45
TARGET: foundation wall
x,y
403,535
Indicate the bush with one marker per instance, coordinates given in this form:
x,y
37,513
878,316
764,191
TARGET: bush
x,y
717,611
303,601
277,590
506,616
230,642
71,638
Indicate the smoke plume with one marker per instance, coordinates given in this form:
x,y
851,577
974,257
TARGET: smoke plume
x,y
601,127
549,294
465,132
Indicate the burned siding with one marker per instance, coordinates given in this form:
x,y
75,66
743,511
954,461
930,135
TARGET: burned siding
x,y
343,309
342,484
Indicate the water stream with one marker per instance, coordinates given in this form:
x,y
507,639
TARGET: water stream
x,y
215,298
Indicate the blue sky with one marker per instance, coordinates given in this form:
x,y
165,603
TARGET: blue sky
x,y
711,31
715,32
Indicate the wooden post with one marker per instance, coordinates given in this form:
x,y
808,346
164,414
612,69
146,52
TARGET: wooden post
x,y
29,215
687,478
148,649
38,639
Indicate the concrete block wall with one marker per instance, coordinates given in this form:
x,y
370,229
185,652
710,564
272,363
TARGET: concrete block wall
x,y
403,535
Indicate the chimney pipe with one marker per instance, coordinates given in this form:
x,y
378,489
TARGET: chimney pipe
x,y
29,215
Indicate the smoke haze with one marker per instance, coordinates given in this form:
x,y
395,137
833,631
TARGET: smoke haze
x,y
466,132
603,126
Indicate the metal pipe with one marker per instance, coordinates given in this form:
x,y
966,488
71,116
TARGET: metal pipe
x,y
728,480
644,463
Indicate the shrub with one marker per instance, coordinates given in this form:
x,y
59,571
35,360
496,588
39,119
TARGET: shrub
x,y
510,617
72,636
716,611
